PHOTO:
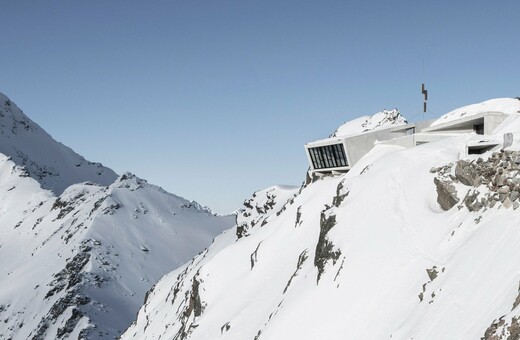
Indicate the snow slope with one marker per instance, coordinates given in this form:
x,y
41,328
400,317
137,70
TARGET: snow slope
x,y
370,254
78,265
51,163
258,210
82,262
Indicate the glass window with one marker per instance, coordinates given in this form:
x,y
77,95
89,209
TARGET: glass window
x,y
328,156
320,159
313,160
339,152
330,160
479,128
333,156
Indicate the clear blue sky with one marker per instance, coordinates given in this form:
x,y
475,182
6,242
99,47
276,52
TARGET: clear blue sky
x,y
213,100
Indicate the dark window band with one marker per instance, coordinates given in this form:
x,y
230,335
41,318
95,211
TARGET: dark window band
x,y
328,156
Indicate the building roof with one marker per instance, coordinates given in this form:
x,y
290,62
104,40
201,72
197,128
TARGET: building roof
x,y
384,120
502,105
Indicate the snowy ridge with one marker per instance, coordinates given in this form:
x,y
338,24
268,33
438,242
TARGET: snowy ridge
x,y
78,265
370,254
380,120
88,256
506,105
258,209
52,164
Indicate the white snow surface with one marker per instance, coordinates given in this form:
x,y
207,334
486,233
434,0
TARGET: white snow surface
x,y
260,208
93,251
384,232
78,265
51,163
505,105
363,124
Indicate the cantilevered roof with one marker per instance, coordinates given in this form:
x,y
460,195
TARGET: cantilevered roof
x,y
461,122
502,105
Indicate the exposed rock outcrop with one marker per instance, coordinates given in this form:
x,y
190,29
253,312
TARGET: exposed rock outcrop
x,y
325,249
446,194
383,119
466,173
497,179
260,207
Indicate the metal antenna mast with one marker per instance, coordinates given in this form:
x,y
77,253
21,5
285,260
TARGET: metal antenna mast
x,y
425,93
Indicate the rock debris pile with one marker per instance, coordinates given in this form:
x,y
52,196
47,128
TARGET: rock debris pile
x,y
492,182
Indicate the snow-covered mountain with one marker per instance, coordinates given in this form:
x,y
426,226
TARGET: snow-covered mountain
x,y
78,265
258,209
419,243
379,120
51,163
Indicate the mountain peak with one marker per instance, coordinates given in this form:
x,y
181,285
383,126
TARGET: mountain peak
x,y
52,164
379,120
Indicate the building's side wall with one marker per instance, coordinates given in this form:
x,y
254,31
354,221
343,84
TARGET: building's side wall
x,y
422,138
358,146
345,147
419,126
492,121
309,157
404,141
355,147
465,127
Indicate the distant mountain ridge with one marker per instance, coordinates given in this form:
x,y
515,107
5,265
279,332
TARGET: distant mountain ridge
x,y
76,262
52,164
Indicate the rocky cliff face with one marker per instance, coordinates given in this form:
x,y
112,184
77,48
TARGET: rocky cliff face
x,y
411,243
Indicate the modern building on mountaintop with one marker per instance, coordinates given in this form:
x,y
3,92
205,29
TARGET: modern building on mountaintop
x,y
356,138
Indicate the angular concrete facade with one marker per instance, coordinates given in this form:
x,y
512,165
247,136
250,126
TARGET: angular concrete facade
x,y
325,156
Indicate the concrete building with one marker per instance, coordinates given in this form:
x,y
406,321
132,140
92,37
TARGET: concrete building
x,y
339,154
